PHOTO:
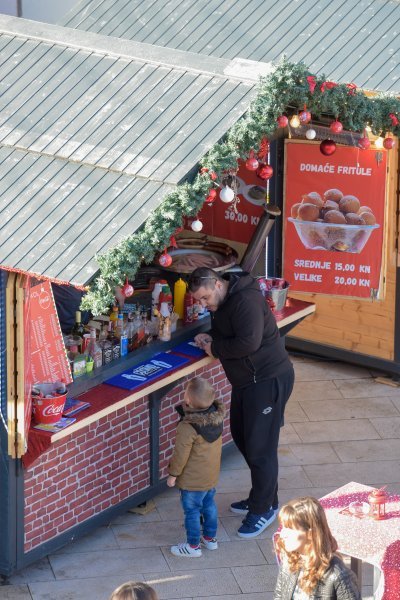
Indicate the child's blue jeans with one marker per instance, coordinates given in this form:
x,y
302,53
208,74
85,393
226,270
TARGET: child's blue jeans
x,y
196,504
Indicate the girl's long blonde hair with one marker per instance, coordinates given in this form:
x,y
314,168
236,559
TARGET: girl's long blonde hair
x,y
134,590
308,515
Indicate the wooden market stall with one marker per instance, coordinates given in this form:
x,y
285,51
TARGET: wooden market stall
x,y
91,142
94,138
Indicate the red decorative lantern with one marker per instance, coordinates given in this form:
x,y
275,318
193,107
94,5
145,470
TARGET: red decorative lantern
x,y
377,501
165,259
212,194
336,126
305,116
127,289
282,121
364,142
388,143
252,163
264,171
327,147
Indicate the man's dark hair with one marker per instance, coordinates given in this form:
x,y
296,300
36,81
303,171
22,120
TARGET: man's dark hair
x,y
203,277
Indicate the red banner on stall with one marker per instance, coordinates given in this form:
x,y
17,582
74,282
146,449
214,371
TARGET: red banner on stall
x,y
338,253
49,362
220,220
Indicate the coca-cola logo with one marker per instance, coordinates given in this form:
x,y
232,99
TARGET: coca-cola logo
x,y
52,409
44,299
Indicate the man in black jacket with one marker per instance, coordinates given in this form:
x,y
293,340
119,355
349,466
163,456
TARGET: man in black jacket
x,y
245,338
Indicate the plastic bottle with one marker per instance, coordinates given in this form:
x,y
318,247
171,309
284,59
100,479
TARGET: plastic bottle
x,y
116,349
121,333
105,345
179,295
106,350
103,335
114,317
188,308
124,343
164,328
93,349
166,296
119,329
155,295
130,332
139,330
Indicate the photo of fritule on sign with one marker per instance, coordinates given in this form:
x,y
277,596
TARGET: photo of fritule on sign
x,y
333,219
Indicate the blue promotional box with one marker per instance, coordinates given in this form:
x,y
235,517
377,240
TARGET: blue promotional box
x,y
147,371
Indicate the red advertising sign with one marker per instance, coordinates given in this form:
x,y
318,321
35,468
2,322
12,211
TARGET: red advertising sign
x,y
49,362
334,219
220,220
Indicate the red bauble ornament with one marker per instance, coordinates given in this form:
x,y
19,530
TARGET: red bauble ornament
x,y
252,163
265,171
282,121
127,289
212,194
305,117
364,143
327,147
388,143
165,259
336,126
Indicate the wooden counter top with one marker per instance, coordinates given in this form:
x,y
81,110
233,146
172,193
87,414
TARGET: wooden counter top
x,y
116,398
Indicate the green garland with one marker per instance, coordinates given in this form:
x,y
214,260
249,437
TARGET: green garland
x,y
285,90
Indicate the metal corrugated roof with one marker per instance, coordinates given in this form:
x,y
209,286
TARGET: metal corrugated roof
x,y
56,214
347,40
92,135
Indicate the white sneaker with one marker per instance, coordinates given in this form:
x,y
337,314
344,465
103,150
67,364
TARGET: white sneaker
x,y
186,550
209,544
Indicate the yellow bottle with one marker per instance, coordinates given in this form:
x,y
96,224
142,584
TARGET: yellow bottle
x,y
179,294
114,317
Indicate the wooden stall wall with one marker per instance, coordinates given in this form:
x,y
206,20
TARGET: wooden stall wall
x,y
361,326
103,464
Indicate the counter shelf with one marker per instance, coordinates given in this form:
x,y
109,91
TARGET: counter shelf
x,y
105,399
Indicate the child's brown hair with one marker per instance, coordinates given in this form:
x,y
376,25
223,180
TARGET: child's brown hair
x,y
200,392
134,590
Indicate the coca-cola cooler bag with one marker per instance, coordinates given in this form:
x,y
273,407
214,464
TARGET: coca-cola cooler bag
x,y
50,409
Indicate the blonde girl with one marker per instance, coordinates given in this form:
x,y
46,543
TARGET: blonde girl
x,y
310,566
134,590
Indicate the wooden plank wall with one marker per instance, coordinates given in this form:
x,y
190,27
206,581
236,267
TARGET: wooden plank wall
x,y
362,326
15,365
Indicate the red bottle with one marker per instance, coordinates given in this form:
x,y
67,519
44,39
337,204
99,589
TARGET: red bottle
x,y
188,308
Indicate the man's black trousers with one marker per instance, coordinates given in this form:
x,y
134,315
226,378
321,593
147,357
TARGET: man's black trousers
x,y
256,417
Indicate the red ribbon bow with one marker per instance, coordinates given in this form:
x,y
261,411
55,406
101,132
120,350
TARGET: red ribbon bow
x,y
352,88
328,85
394,119
212,174
172,242
312,82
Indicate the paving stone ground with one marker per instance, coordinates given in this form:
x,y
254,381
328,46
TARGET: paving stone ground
x,y
340,426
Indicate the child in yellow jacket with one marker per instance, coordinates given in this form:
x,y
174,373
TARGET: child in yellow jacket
x,y
195,465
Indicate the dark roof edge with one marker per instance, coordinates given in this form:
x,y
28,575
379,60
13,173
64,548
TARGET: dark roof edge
x,y
246,71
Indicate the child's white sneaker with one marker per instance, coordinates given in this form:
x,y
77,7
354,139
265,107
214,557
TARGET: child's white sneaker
x,y
210,543
186,550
